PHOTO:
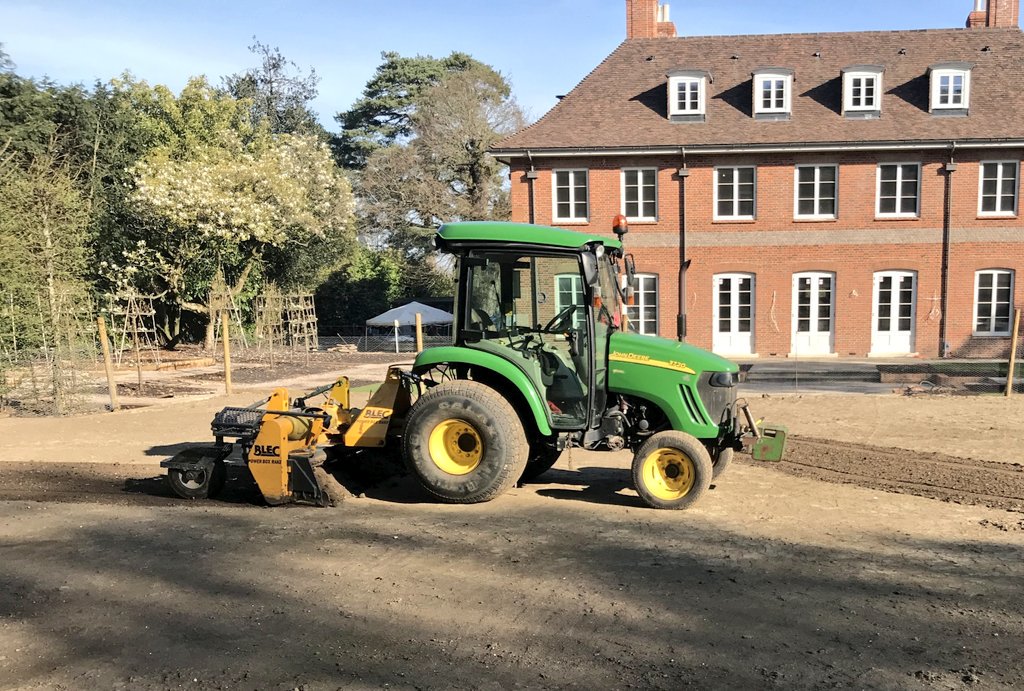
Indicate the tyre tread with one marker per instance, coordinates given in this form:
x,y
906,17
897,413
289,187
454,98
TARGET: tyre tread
x,y
504,416
689,445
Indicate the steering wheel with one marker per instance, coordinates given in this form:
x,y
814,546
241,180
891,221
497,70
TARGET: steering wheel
x,y
562,320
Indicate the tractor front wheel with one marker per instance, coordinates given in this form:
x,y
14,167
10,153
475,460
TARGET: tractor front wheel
x,y
722,461
465,443
672,470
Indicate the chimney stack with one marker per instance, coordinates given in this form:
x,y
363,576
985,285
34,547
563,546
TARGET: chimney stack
x,y
1004,14
648,19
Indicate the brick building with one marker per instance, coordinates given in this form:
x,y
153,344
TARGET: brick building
x,y
843,194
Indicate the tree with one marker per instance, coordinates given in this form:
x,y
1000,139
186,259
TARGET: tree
x,y
444,172
383,115
226,205
457,123
422,132
216,193
43,222
371,281
279,93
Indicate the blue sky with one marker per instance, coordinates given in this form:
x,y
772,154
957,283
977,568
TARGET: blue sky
x,y
544,47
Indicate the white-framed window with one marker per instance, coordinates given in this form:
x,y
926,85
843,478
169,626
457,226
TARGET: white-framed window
x,y
687,93
569,291
862,91
640,194
899,190
817,188
571,195
773,93
998,183
735,193
688,97
643,313
993,302
950,88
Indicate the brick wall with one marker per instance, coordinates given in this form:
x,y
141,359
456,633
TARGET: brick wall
x,y
774,246
1003,13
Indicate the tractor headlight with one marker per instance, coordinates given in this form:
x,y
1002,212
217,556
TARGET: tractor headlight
x,y
722,380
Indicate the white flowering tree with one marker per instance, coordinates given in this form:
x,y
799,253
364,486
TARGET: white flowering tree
x,y
219,200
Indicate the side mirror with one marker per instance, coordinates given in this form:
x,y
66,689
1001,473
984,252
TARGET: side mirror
x,y
590,270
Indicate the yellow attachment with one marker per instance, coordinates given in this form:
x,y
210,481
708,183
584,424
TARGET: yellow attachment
x,y
668,474
278,400
370,428
339,393
279,436
455,447
336,407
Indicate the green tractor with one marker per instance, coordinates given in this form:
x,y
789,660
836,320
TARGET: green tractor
x,y
543,358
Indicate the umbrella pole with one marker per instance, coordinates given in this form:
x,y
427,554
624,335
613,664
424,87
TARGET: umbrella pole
x,y
396,336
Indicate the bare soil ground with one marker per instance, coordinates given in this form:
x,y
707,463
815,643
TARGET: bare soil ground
x,y
850,564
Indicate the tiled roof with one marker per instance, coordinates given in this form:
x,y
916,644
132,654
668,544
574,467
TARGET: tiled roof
x,y
623,102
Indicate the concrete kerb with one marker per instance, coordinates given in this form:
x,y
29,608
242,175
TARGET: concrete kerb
x,y
862,375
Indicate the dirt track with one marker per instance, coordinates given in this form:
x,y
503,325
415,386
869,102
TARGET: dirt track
x,y
775,580
935,476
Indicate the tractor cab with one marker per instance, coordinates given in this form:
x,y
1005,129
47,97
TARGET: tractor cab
x,y
544,307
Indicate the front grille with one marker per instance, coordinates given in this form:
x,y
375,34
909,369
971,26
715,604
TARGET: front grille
x,y
717,400
692,407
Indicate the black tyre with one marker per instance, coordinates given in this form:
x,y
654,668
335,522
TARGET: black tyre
x,y
542,457
201,482
465,443
672,470
720,462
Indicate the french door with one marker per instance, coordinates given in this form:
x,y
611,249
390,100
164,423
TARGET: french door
x,y
734,314
813,313
894,313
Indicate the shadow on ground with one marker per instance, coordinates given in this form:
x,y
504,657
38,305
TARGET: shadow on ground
x,y
495,596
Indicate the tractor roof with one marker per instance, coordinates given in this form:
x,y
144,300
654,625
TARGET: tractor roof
x,y
520,234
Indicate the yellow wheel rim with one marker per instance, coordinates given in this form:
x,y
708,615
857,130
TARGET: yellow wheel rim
x,y
668,474
455,447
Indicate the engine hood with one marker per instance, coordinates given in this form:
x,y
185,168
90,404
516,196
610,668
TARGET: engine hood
x,y
662,353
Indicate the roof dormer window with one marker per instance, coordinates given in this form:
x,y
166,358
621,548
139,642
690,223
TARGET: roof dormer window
x,y
950,88
773,94
862,91
687,95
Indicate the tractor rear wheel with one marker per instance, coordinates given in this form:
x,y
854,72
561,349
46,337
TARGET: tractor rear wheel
x,y
465,443
672,470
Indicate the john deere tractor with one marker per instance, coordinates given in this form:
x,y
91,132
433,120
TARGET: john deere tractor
x,y
543,357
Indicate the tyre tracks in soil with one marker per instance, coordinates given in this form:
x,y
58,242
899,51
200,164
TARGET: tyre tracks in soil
x,y
924,474
998,485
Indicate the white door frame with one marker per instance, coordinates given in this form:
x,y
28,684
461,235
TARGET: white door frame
x,y
893,341
814,342
733,342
